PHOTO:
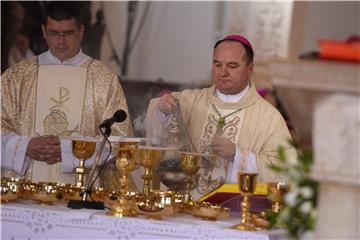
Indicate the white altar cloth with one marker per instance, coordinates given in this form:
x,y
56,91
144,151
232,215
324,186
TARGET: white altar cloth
x,y
26,220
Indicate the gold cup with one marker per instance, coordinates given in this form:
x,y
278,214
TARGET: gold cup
x,y
149,157
276,192
125,163
83,150
247,184
190,163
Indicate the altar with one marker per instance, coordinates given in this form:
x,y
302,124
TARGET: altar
x,y
25,219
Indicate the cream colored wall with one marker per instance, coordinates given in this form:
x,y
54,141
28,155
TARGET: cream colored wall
x,y
177,39
317,20
175,44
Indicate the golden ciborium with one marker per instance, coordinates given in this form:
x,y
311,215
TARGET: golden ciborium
x,y
247,184
276,192
83,150
190,163
149,157
126,162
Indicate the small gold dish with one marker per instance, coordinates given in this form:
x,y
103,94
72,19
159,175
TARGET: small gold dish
x,y
123,206
72,192
47,192
9,189
111,197
151,208
25,188
135,196
97,194
166,198
211,212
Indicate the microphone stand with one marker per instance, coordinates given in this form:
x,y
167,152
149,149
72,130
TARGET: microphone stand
x,y
84,203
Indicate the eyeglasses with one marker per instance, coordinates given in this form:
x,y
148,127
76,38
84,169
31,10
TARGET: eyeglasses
x,y
66,34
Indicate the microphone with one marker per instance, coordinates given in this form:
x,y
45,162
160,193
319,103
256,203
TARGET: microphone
x,y
119,116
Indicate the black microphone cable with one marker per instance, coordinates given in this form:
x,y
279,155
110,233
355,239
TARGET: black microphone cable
x,y
102,166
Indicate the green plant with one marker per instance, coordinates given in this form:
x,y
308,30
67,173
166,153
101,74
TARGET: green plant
x,y
298,214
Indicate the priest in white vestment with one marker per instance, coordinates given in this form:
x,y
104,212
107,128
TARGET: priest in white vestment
x,y
229,119
52,96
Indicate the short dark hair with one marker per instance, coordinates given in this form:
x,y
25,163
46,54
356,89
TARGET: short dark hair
x,y
62,10
248,49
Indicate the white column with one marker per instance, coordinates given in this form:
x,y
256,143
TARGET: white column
x,y
336,132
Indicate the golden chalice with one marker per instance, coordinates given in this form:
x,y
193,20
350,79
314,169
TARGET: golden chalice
x,y
276,192
149,157
125,163
190,163
83,150
247,184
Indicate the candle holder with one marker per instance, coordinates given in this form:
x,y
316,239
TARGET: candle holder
x,y
247,184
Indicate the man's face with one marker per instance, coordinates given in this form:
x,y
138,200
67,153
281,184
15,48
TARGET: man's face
x,y
63,37
230,71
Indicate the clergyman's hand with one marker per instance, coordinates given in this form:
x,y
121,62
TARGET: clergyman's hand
x,y
167,103
45,149
224,148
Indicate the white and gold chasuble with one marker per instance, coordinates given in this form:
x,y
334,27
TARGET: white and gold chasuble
x,y
256,126
59,100
58,111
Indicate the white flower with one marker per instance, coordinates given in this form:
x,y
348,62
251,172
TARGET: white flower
x,y
290,198
305,207
292,159
306,192
294,174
